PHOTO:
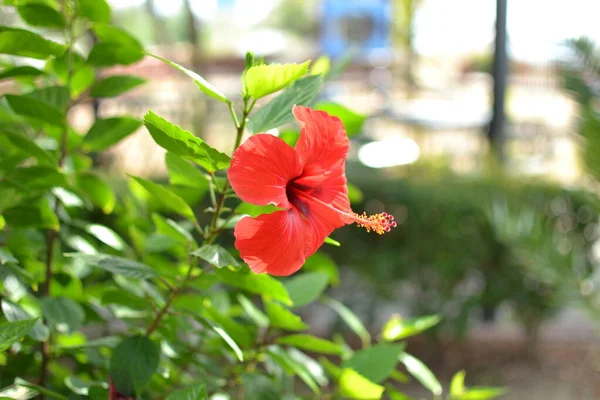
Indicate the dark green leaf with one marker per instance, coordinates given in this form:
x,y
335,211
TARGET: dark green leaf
x,y
397,328
117,265
19,42
98,191
11,332
167,198
195,392
115,85
242,334
183,143
133,363
28,146
106,54
311,343
63,314
41,15
108,131
256,283
12,312
355,386
215,255
306,288
377,362
423,374
124,298
279,110
36,178
35,109
183,173
350,319
38,215
262,80
15,72
202,83
94,10
281,317
352,121
259,387
54,96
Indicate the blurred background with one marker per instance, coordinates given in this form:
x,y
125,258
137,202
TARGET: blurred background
x,y
475,122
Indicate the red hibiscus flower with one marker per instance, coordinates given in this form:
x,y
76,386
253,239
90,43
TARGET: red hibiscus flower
x,y
308,182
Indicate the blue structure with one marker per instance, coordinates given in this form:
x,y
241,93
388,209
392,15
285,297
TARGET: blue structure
x,y
362,25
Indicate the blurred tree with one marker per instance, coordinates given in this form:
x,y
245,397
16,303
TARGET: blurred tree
x,y
403,37
294,16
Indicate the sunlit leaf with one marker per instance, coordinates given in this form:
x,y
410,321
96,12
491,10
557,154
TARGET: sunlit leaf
x,y
41,15
256,283
377,362
167,199
352,121
355,386
397,328
117,265
215,255
305,288
20,42
262,80
311,343
13,313
281,317
94,10
97,190
420,371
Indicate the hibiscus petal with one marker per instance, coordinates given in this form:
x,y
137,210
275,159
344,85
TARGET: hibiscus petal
x,y
274,243
261,168
323,143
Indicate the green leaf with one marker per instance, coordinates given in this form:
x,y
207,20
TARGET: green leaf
x,y
278,111
98,191
396,395
259,387
333,370
202,83
256,283
215,255
324,264
105,235
94,10
352,121
262,80
377,362
6,257
230,342
354,194
80,386
183,173
311,343
242,335
108,131
117,265
397,328
125,299
16,72
167,199
296,367
172,229
33,216
350,319
2,222
38,177
54,96
133,363
195,392
356,386
255,211
420,371
63,314
28,146
13,313
19,42
108,54
36,109
81,80
39,389
481,393
281,317
115,85
11,332
41,15
321,66
183,143
259,318
457,385
307,287
332,242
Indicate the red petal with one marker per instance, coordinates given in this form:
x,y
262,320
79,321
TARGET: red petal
x,y
261,168
274,243
323,143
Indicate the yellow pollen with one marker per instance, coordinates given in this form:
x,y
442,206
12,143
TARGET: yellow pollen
x,y
378,223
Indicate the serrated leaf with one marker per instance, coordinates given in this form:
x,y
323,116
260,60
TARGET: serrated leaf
x,y
167,198
355,386
16,72
278,111
397,328
35,109
215,255
262,80
94,10
311,343
19,42
350,319
183,143
305,288
13,312
63,314
256,283
195,392
11,332
420,371
117,265
107,132
115,85
97,190
202,83
41,15
281,317
377,362
133,363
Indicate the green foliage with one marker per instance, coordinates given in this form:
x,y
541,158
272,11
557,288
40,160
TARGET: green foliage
x,y
262,80
10,332
115,85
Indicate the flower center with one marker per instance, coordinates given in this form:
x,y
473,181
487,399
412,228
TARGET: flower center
x,y
378,223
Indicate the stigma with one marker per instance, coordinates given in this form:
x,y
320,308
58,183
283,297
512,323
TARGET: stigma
x,y
378,223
